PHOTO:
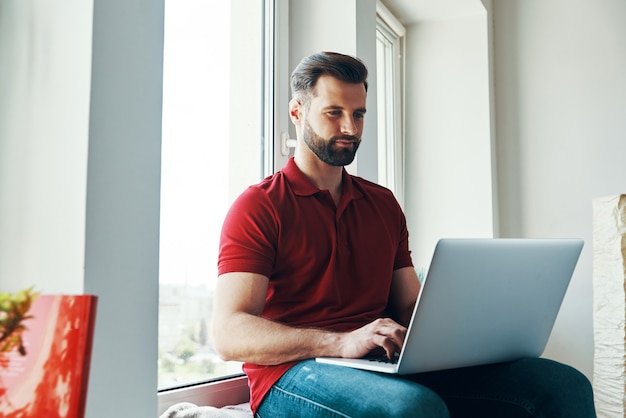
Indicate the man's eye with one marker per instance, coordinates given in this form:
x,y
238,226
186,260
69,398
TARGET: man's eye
x,y
359,115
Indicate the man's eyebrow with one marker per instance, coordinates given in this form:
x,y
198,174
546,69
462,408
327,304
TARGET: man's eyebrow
x,y
337,107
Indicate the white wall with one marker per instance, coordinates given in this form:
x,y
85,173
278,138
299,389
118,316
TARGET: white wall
x,y
79,176
448,132
45,71
560,83
558,124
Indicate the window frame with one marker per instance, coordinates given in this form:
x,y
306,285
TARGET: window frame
x,y
231,390
391,107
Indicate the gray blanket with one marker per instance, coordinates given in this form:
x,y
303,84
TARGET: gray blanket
x,y
189,410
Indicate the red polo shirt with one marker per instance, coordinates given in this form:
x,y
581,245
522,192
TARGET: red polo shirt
x,y
328,266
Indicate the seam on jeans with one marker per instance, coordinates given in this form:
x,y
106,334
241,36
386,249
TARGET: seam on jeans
x,y
311,402
527,406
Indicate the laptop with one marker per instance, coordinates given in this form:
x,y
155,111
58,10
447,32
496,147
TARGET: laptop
x,y
482,301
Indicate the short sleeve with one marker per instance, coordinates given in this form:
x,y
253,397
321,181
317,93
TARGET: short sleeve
x,y
249,235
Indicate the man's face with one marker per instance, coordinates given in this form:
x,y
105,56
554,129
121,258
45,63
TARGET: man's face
x,y
333,122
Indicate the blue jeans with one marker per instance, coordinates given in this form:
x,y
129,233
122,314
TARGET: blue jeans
x,y
520,389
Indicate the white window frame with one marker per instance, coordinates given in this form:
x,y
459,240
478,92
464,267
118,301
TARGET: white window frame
x,y
279,147
390,93
229,391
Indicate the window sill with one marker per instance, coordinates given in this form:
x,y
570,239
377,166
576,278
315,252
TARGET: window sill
x,y
231,391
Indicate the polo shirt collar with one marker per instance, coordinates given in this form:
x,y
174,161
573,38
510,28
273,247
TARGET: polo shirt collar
x,y
301,185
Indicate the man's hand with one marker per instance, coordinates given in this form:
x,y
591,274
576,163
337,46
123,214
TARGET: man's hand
x,y
382,333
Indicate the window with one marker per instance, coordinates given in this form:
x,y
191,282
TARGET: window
x,y
390,86
219,122
212,62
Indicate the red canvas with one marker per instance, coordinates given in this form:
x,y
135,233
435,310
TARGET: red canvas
x,y
50,380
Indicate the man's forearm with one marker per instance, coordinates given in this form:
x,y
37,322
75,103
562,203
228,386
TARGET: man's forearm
x,y
250,338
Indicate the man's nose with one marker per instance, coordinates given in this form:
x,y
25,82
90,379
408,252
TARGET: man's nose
x,y
348,126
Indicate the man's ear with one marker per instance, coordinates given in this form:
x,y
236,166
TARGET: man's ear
x,y
295,111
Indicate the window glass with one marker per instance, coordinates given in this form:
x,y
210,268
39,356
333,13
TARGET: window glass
x,y
197,157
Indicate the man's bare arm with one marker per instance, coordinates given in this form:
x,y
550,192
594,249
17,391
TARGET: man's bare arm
x,y
241,334
405,288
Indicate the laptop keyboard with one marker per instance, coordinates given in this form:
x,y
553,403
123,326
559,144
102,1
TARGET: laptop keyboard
x,y
384,359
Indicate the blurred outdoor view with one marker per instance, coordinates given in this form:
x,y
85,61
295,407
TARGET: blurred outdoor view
x,y
194,197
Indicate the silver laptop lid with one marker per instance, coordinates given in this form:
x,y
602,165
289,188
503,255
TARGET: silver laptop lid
x,y
488,300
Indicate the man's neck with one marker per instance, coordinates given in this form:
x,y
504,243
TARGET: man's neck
x,y
323,176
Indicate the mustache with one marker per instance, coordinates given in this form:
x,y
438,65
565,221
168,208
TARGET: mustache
x,y
345,138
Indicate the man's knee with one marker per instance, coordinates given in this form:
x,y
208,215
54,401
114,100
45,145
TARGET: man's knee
x,y
578,387
556,375
566,389
396,397
420,402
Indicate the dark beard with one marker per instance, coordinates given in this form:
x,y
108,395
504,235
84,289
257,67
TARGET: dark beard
x,y
326,149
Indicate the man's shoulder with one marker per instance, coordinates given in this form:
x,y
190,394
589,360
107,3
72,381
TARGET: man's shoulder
x,y
374,194
266,192
369,187
269,185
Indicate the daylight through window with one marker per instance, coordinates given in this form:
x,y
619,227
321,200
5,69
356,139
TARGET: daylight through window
x,y
197,159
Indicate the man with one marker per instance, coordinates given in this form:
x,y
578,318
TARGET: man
x,y
315,262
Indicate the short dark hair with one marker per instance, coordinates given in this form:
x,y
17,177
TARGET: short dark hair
x,y
343,67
